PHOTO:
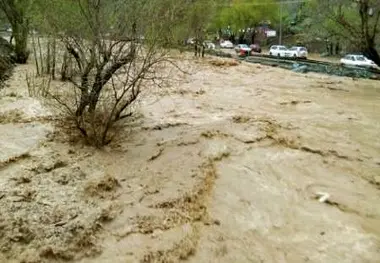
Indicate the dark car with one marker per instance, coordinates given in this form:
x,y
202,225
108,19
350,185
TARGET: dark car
x,y
255,48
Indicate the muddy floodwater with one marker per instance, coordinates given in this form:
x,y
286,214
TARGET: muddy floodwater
x,y
234,163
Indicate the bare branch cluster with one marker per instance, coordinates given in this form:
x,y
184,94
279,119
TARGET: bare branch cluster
x,y
115,54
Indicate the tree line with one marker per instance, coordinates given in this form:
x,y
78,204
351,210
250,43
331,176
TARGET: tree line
x,y
353,23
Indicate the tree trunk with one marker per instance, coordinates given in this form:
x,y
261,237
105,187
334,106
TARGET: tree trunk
x,y
35,55
372,54
82,104
94,97
337,48
54,58
48,56
41,56
232,38
241,39
15,13
368,44
65,66
21,43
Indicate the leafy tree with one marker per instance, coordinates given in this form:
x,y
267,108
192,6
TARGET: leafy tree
x,y
198,17
238,15
16,12
354,21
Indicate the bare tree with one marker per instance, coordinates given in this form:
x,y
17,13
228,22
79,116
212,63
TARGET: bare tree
x,y
369,30
355,21
117,50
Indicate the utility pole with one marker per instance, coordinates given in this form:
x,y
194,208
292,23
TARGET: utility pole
x,y
280,34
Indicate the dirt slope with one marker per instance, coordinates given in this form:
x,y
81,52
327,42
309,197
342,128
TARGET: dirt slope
x,y
225,167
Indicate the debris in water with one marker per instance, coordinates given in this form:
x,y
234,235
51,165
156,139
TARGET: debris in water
x,y
323,197
299,68
156,154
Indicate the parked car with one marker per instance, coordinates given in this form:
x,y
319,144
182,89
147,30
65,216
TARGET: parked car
x,y
255,48
208,44
277,50
357,60
243,49
226,44
297,52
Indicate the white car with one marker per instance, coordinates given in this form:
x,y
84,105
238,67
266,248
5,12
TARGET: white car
x,y
278,51
297,52
226,44
357,60
242,48
209,45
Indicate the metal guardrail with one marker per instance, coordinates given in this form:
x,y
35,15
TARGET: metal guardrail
x,y
306,65
311,61
317,66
